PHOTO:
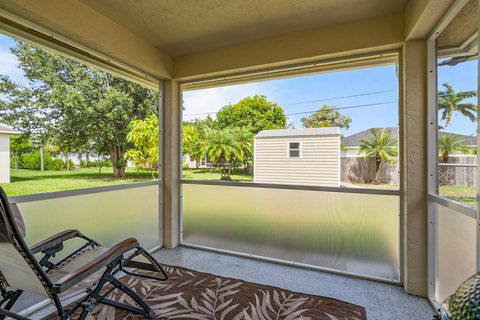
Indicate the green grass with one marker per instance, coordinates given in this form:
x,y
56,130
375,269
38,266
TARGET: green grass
x,y
33,181
205,174
466,195
462,194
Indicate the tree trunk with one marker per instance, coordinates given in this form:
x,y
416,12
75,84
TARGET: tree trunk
x,y
118,161
42,164
66,160
378,162
445,157
87,156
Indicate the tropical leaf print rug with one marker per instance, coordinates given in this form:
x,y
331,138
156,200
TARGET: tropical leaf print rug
x,y
189,294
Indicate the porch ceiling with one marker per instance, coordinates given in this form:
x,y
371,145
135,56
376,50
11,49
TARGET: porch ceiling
x,y
180,27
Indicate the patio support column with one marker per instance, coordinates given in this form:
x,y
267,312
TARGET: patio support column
x,y
414,141
171,163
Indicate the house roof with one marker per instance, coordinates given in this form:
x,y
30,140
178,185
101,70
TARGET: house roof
x,y
6,129
355,140
299,132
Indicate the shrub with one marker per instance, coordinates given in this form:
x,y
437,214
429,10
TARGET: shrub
x,y
57,165
31,161
70,165
95,164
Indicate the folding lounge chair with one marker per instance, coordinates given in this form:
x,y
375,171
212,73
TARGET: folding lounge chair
x,y
90,269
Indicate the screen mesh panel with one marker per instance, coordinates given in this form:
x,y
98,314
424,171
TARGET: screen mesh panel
x,y
356,233
455,245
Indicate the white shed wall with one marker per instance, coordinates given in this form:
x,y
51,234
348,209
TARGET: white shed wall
x,y
319,162
4,158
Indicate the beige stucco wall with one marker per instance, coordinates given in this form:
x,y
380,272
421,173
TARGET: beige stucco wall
x,y
4,158
77,22
318,165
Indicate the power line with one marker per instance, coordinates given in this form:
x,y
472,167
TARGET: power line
x,y
308,101
347,107
337,98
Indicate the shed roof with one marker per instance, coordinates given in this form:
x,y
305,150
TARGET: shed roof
x,y
299,132
6,129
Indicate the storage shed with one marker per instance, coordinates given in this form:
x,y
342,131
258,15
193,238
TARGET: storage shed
x,y
298,156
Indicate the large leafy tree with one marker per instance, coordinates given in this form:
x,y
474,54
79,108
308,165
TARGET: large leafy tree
x,y
451,102
74,105
143,136
326,116
448,144
28,108
222,147
19,144
193,132
254,113
381,145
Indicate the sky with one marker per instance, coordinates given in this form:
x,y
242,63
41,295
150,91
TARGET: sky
x,y
377,87
295,95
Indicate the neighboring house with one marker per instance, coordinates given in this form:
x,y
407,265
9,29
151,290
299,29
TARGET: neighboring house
x,y
298,156
190,163
5,132
351,144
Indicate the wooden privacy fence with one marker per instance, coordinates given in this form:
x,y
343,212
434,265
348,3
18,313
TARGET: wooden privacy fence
x,y
362,170
459,171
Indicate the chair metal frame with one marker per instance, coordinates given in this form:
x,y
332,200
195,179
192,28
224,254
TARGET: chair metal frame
x,y
113,263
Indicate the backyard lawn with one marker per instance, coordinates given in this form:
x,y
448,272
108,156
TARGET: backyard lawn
x,y
205,174
34,181
466,195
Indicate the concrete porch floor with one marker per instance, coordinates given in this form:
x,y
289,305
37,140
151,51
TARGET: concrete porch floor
x,y
382,301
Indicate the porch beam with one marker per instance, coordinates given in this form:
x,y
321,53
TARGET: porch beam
x,y
415,214
421,16
171,163
360,37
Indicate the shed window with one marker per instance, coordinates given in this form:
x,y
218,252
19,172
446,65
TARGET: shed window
x,y
294,149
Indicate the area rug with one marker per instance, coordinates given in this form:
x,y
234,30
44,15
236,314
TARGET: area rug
x,y
189,294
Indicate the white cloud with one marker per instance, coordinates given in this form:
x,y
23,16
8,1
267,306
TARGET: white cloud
x,y
199,102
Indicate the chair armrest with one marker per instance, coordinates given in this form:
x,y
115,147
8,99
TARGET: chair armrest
x,y
55,240
113,254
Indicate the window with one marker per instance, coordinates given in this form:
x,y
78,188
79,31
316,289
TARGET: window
x,y
457,104
294,149
96,130
304,129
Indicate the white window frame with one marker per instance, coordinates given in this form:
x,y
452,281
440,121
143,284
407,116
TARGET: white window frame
x,y
300,149
434,198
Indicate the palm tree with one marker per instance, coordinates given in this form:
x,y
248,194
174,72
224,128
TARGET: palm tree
x,y
220,146
381,145
448,144
244,138
450,102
